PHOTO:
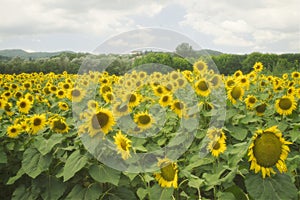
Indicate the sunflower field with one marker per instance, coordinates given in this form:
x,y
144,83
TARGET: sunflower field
x,y
150,135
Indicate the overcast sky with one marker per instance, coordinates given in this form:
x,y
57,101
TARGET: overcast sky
x,y
231,26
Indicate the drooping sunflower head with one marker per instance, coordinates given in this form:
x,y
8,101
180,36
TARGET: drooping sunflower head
x,y
101,120
168,175
285,105
268,149
144,120
123,145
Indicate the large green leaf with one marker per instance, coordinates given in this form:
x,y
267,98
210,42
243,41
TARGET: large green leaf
x,y
92,192
54,188
45,145
13,179
158,193
237,132
277,187
104,174
21,193
34,163
74,163
3,157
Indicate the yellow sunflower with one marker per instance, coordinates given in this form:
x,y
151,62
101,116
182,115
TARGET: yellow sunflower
x,y
200,67
123,144
285,105
37,122
179,108
217,146
120,109
165,100
216,134
268,149
63,106
108,97
144,120
235,93
168,175
101,120
202,87
250,101
13,131
133,99
60,94
59,125
76,94
295,75
24,105
258,67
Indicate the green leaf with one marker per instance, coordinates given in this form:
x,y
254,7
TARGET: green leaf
x,y
45,145
142,193
237,132
200,162
195,182
3,157
294,134
158,193
276,187
54,189
92,192
104,174
34,163
21,193
226,195
74,163
123,193
13,179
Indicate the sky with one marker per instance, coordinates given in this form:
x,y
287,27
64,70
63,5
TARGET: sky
x,y
229,26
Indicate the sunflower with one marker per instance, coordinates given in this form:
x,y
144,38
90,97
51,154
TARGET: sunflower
x,y
37,122
13,131
244,81
165,100
168,176
105,88
24,105
260,109
159,90
179,108
92,104
235,93
133,99
250,101
202,87
258,67
291,91
217,146
215,134
229,82
123,144
295,75
60,93
285,105
101,120
76,94
144,120
59,125
268,149
63,106
2,103
216,81
238,73
200,67
120,109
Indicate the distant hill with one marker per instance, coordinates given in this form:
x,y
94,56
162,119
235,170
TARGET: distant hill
x,y
11,53
208,51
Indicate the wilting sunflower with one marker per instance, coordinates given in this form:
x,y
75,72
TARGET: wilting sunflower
x,y
168,175
285,105
258,67
24,105
76,94
202,87
59,125
250,101
101,120
37,122
165,100
13,131
144,120
268,149
123,144
235,93
179,108
217,146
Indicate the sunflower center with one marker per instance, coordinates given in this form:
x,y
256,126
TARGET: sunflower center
x,y
123,144
179,105
202,86
168,172
165,98
267,149
132,98
144,119
180,82
159,90
236,92
59,125
261,108
37,122
230,83
252,100
13,130
100,120
285,103
23,104
75,93
61,93
217,145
